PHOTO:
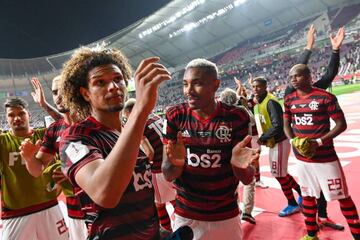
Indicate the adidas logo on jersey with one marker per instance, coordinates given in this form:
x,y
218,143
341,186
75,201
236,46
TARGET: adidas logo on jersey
x,y
185,133
293,107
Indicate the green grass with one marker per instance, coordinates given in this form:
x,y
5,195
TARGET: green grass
x,y
343,89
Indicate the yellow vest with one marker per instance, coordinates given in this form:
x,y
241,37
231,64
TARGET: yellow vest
x,y
262,118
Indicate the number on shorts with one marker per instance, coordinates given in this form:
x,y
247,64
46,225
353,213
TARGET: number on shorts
x,y
61,226
334,184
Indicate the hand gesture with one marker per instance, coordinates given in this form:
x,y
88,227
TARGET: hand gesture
x,y
250,79
38,94
28,149
243,156
237,82
310,37
176,151
148,76
338,39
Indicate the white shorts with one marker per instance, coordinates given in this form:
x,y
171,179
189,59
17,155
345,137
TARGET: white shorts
x,y
326,177
44,225
229,229
278,158
164,190
77,229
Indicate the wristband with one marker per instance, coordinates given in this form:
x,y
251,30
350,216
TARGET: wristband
x,y
319,141
291,140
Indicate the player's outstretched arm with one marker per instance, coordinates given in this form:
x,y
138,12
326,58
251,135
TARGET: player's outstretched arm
x,y
97,178
334,63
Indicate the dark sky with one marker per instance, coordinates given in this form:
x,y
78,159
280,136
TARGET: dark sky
x,y
35,28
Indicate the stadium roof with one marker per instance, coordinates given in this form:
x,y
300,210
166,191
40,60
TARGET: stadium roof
x,y
222,24
249,19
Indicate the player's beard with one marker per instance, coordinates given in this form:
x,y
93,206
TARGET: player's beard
x,y
116,108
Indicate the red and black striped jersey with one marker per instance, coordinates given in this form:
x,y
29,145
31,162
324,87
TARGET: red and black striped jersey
x,y
51,140
153,132
310,117
135,216
206,190
50,145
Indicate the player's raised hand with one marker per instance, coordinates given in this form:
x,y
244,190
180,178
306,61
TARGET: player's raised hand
x,y
250,79
28,149
148,76
237,82
38,94
310,37
176,152
242,156
336,41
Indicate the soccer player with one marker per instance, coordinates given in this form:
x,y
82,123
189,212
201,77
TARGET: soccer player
x,y
39,155
269,122
164,190
307,115
111,176
213,137
324,82
29,210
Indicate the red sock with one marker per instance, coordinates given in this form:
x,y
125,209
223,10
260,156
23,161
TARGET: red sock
x,y
349,211
163,215
309,211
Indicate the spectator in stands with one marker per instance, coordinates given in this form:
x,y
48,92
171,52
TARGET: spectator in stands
x,y
39,155
214,137
29,209
318,167
101,158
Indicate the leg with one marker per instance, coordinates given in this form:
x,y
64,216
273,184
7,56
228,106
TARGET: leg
x,y
248,201
349,211
309,211
163,215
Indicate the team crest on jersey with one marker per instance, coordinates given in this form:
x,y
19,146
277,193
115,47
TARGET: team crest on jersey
x,y
223,133
314,105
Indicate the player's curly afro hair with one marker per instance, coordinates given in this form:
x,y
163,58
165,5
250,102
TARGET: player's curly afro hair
x,y
75,75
